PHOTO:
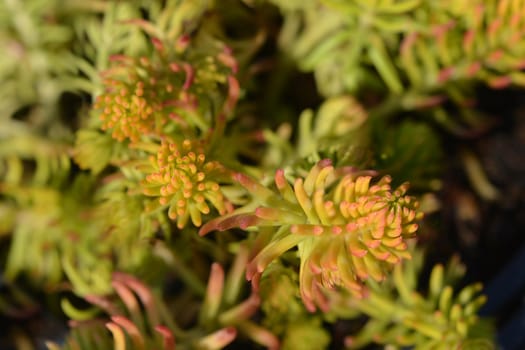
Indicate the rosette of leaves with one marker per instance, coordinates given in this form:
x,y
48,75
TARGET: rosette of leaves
x,y
138,313
141,319
439,41
355,31
415,53
345,227
402,316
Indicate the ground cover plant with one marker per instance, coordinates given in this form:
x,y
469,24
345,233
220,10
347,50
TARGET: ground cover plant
x,y
245,174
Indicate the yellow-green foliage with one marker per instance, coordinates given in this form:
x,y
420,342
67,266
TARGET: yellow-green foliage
x,y
156,162
441,319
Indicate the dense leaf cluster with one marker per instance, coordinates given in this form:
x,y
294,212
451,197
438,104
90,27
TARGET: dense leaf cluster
x,y
146,147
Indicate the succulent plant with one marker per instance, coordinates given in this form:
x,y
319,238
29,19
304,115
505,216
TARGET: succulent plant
x,y
345,228
186,182
131,131
442,319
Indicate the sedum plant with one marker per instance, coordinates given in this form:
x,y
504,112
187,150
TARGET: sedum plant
x,y
143,321
441,319
160,181
343,237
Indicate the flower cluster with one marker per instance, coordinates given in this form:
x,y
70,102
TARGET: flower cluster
x,y
185,182
346,229
165,94
143,99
